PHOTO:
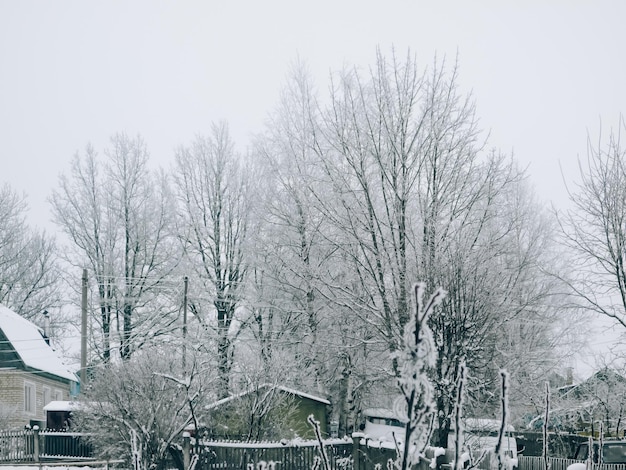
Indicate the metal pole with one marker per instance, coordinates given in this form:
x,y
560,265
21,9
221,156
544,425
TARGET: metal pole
x,y
186,283
83,334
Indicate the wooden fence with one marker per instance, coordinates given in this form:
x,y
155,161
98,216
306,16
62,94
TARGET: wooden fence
x,y
17,446
537,463
299,455
32,445
60,444
269,456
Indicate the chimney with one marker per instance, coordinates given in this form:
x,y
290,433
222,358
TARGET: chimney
x,y
46,327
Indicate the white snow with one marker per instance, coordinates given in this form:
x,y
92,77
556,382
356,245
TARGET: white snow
x,y
577,466
61,405
29,343
290,391
383,432
484,424
382,413
303,394
437,451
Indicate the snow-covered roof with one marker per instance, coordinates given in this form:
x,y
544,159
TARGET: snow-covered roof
x,y
384,433
270,386
484,424
380,413
62,405
293,391
28,342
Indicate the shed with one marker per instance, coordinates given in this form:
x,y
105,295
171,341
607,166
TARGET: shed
x,y
59,414
266,412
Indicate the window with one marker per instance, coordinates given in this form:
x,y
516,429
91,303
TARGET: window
x,y
58,394
29,397
47,395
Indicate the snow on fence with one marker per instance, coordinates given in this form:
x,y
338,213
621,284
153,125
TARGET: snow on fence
x,y
351,454
61,444
32,445
215,455
17,446
537,463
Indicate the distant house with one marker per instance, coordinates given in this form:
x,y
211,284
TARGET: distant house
x,y
599,400
596,385
584,407
31,373
266,412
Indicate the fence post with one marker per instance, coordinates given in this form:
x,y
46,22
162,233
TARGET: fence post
x,y
186,450
36,443
356,454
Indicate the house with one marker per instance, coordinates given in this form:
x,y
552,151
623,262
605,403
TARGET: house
x,y
31,373
266,412
598,401
583,407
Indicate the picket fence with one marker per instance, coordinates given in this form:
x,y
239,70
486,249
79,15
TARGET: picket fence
x,y
340,454
538,463
34,446
270,455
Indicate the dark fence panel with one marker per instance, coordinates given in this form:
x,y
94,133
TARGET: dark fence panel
x,y
17,446
217,455
32,445
271,456
537,463
61,444
560,445
369,457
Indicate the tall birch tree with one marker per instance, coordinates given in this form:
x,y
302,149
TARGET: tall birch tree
x,y
595,228
118,216
294,228
213,192
411,194
29,277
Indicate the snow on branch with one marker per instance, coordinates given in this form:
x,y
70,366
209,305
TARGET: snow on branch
x,y
414,359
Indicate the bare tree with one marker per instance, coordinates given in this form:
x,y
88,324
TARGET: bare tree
x,y
82,207
119,218
294,226
597,400
407,192
149,253
416,358
380,134
299,255
29,281
595,230
213,191
295,252
138,408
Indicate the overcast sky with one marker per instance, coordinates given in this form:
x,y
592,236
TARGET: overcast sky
x,y
543,73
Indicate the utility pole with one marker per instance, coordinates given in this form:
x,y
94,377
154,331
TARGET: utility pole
x,y
186,286
83,334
